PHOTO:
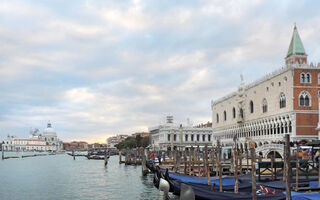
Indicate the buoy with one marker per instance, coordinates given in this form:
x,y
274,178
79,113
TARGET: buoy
x,y
186,192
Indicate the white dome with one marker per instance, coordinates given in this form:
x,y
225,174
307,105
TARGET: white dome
x,y
49,129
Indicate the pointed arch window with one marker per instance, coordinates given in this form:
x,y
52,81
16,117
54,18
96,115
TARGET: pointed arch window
x,y
217,118
264,105
305,99
251,107
224,115
241,113
308,78
233,112
302,77
282,100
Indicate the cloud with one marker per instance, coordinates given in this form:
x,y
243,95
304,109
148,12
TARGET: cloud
x,y
99,68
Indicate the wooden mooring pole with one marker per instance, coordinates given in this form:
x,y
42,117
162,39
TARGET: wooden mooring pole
x,y
288,167
207,164
2,150
297,169
253,170
219,165
120,157
235,171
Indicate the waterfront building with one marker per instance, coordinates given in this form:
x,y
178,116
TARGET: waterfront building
x,y
171,136
283,102
47,141
112,141
75,145
142,134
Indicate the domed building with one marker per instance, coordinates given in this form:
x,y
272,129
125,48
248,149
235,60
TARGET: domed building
x,y
47,141
50,137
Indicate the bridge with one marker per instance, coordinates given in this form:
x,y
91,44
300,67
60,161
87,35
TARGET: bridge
x,y
267,148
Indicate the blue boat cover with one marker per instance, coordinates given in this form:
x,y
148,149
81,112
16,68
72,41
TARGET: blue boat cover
x,y
305,196
313,183
190,179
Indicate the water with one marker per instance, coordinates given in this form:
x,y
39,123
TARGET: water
x,y
60,177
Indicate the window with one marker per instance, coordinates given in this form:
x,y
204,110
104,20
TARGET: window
x,y
224,115
168,137
209,138
174,137
192,136
203,137
233,112
282,100
198,138
264,105
302,78
241,113
251,107
319,78
279,84
217,118
304,99
186,138
308,78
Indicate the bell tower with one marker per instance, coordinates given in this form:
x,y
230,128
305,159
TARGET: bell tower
x,y
296,52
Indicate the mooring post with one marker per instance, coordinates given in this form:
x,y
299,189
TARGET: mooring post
x,y
120,154
207,164
2,150
253,170
74,157
185,162
235,171
272,167
105,158
288,167
297,169
198,158
219,165
193,159
247,158
319,171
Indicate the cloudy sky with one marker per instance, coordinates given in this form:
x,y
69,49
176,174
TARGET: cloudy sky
x,y
99,68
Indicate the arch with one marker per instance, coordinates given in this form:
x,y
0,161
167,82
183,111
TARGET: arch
x,y
264,105
251,107
260,143
304,99
234,112
282,100
241,113
275,153
225,115
302,78
217,118
308,78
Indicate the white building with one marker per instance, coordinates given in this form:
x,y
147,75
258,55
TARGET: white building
x,y
170,135
48,141
112,141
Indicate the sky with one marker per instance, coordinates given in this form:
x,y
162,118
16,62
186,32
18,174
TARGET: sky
x,y
98,68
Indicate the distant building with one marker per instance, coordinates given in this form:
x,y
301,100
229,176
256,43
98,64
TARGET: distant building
x,y
142,134
75,145
112,141
170,135
48,141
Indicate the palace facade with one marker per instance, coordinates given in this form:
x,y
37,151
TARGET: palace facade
x,y
283,102
172,136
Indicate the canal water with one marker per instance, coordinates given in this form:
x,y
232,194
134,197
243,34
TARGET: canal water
x,y
60,177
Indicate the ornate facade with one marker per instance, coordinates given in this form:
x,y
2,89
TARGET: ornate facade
x,y
285,101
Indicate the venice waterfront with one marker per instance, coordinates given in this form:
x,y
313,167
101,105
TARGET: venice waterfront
x,y
61,177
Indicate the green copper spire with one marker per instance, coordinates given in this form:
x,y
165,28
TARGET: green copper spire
x,y
296,46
